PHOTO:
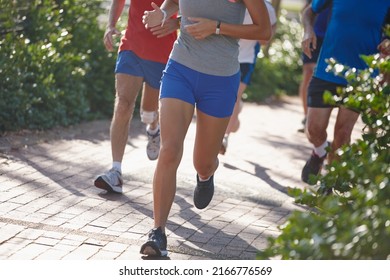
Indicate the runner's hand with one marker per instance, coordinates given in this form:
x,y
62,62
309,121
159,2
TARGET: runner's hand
x,y
153,18
309,42
108,38
201,27
170,25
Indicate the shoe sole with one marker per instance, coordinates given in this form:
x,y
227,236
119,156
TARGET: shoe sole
x,y
100,183
150,249
152,158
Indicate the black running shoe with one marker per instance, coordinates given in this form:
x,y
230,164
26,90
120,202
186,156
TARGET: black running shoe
x,y
312,167
204,192
156,246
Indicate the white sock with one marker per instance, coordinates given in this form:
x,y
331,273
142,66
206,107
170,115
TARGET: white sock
x,y
152,131
204,180
321,150
117,165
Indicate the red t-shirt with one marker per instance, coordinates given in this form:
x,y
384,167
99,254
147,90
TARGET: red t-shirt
x,y
140,40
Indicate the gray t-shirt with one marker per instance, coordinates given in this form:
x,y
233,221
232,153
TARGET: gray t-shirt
x,y
216,54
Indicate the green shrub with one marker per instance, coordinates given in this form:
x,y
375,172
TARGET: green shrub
x,y
54,68
354,222
278,68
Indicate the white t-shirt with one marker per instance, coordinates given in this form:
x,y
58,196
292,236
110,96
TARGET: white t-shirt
x,y
248,50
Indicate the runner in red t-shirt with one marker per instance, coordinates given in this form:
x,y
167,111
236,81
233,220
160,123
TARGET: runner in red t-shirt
x,y
140,63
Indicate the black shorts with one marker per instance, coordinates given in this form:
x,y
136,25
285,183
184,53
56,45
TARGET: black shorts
x,y
315,93
315,54
246,70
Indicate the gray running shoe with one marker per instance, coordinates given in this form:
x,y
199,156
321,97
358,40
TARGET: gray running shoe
x,y
110,181
153,146
156,246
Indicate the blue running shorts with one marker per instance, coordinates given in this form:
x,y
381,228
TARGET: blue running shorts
x,y
129,63
213,95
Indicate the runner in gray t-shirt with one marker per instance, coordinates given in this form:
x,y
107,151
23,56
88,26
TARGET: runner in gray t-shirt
x,y
202,73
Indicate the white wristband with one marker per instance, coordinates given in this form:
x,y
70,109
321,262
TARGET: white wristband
x,y
164,17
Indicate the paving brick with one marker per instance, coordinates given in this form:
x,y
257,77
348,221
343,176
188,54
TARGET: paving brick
x,y
12,246
119,227
55,221
115,247
6,207
82,252
131,253
201,237
105,255
233,228
30,252
52,254
65,247
93,228
8,231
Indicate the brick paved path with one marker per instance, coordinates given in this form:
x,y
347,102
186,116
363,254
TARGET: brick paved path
x,y
49,208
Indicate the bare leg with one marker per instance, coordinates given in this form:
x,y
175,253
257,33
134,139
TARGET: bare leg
x,y
149,102
234,122
127,88
209,134
345,122
179,113
317,123
307,73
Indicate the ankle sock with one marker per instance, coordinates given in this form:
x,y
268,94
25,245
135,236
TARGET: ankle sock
x,y
321,150
117,165
152,131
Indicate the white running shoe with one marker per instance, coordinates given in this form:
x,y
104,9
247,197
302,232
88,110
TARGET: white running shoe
x,y
153,146
110,181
